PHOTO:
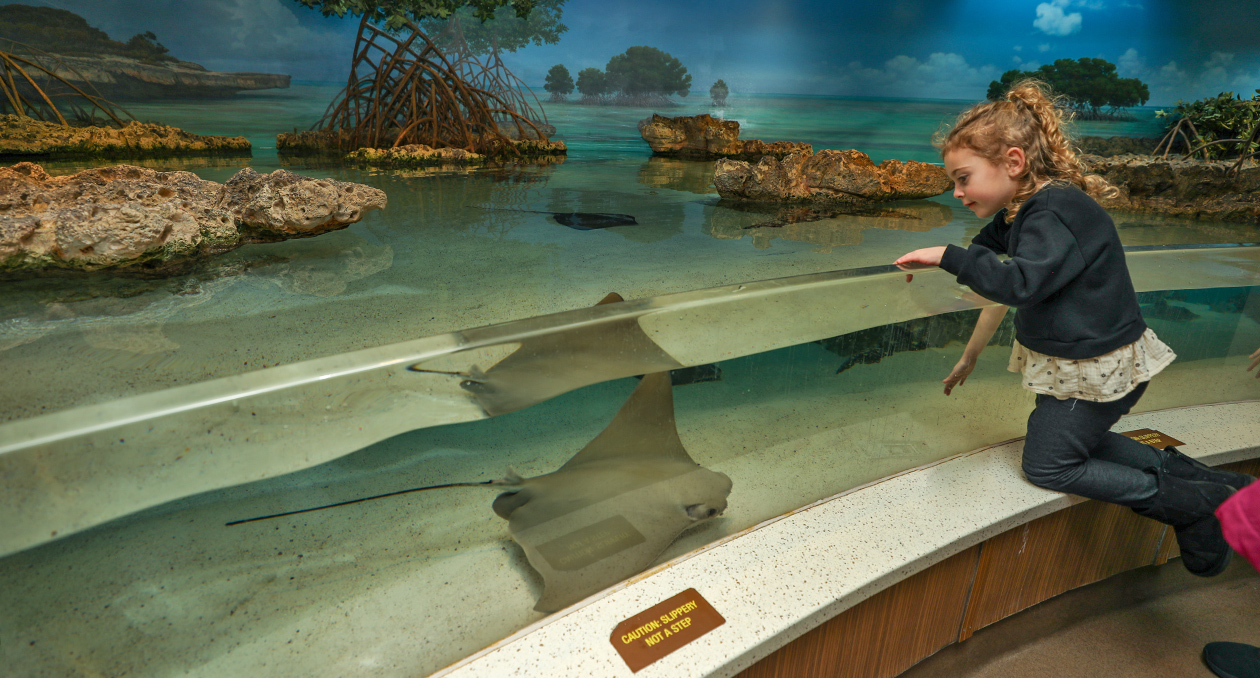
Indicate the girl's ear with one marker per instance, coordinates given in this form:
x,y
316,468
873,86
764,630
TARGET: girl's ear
x,y
1016,162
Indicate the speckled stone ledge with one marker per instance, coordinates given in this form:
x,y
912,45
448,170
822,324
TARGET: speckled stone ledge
x,y
781,578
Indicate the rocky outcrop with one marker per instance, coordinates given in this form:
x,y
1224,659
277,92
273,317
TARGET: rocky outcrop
x,y
120,77
828,177
704,137
142,222
1179,187
23,137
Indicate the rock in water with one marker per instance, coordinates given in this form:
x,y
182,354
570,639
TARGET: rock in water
x,y
140,221
30,139
705,137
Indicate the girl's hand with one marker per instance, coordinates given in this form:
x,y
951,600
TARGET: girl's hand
x,y
1255,360
958,376
928,256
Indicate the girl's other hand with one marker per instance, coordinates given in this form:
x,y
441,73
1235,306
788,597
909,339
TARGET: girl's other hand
x,y
928,256
958,376
1255,360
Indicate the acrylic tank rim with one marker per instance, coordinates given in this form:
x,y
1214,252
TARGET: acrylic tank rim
x,y
974,496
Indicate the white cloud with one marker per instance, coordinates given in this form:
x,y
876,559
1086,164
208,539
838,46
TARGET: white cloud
x,y
942,76
1019,48
1130,63
1043,47
1171,72
1219,60
1052,20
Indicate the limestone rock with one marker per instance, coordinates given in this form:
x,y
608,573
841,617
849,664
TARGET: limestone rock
x,y
30,138
828,177
1180,187
704,137
140,221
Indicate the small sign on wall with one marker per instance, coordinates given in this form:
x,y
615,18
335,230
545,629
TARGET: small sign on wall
x,y
1150,436
663,628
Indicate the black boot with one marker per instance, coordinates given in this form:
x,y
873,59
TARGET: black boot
x,y
1232,660
1189,468
1189,508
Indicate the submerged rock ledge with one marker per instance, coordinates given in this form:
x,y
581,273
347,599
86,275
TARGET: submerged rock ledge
x,y
328,143
419,155
704,137
837,177
23,137
138,221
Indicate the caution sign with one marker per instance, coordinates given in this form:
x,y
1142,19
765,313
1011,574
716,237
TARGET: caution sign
x,y
1150,436
663,628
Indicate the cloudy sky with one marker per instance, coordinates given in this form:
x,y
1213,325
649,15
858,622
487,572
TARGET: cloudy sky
x,y
947,49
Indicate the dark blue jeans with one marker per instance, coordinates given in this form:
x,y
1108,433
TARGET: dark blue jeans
x,y
1070,449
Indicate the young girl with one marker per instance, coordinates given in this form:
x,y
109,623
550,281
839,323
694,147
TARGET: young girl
x,y
1081,342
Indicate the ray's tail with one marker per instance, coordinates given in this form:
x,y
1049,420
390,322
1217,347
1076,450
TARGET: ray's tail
x,y
512,479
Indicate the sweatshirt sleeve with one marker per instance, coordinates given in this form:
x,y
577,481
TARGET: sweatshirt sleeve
x,y
1046,258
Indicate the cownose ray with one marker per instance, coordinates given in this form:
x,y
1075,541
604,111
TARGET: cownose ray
x,y
609,511
582,221
549,364
612,509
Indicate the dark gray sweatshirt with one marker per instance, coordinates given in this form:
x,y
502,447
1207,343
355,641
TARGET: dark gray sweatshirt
x,y
1066,274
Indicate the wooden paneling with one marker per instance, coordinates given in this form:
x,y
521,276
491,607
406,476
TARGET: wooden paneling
x,y
1056,553
885,634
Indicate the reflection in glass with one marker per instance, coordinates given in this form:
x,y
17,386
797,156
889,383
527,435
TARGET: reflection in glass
x,y
692,176
824,226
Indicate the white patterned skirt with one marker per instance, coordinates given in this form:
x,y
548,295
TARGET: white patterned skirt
x,y
1102,379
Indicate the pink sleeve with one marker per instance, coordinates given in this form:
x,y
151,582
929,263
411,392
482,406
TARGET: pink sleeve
x,y
1240,520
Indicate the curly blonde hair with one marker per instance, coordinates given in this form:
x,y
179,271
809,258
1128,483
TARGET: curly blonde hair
x,y
1030,119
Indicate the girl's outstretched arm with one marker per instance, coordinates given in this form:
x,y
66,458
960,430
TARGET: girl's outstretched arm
x,y
928,256
986,325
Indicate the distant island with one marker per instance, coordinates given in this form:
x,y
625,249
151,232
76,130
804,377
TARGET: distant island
x,y
140,68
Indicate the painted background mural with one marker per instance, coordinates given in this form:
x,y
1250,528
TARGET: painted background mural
x,y
901,48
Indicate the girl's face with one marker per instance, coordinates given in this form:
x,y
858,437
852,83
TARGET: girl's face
x,y
983,187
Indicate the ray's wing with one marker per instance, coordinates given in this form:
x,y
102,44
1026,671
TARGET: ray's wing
x,y
548,365
643,430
